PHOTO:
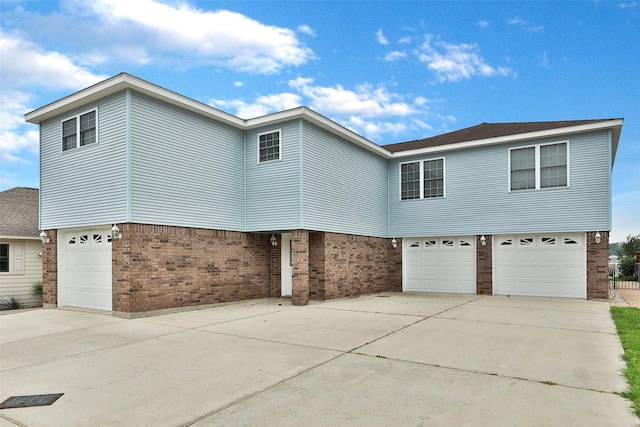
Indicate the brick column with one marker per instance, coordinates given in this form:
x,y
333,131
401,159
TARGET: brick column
x,y
276,268
50,270
484,267
394,257
598,266
300,261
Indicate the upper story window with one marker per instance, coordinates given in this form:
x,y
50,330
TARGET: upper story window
x,y
539,166
269,147
423,179
79,130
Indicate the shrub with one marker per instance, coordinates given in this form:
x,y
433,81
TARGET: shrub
x,y
11,303
627,266
36,289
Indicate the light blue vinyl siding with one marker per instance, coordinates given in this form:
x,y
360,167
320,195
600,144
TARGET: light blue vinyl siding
x,y
344,186
478,200
273,187
85,186
186,170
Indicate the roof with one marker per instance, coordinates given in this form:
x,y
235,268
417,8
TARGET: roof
x,y
19,209
485,131
480,135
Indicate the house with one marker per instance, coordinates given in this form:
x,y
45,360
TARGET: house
x,y
20,246
151,200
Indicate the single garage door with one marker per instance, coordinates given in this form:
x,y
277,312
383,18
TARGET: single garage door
x,y
85,268
540,265
439,264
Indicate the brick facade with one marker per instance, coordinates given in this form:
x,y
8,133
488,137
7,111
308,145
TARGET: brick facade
x,y
484,266
598,266
300,269
158,267
50,270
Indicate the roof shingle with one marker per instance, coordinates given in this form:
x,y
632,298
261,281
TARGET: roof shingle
x,y
486,131
19,208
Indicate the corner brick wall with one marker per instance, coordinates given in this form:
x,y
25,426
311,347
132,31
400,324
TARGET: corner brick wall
x,y
484,267
157,267
50,270
316,265
300,270
598,266
276,268
356,265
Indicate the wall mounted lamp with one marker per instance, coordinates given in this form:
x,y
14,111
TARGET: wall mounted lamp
x,y
273,240
43,237
598,238
483,240
115,232
394,243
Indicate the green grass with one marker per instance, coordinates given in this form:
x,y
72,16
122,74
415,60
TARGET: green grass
x,y
627,320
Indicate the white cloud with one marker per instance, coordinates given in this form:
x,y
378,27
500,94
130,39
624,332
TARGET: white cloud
x,y
368,110
305,29
519,22
15,135
31,66
482,24
405,40
261,106
451,62
381,38
395,55
365,101
627,5
222,36
238,84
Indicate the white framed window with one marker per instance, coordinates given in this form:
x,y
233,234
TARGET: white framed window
x,y
269,146
80,130
422,179
539,166
12,258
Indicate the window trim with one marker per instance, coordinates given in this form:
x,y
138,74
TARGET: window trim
x,y
537,166
422,162
76,117
279,132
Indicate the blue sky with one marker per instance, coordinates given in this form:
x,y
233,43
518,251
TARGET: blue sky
x,y
392,71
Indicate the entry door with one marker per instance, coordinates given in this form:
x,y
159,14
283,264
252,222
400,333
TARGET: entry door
x,y
286,265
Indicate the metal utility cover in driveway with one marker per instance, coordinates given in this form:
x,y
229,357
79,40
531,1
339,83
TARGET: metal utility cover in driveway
x,y
32,400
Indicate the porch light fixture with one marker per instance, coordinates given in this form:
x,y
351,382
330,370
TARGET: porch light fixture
x,y
598,238
273,240
43,237
394,243
115,232
483,240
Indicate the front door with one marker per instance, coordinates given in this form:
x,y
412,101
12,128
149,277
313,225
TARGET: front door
x,y
286,265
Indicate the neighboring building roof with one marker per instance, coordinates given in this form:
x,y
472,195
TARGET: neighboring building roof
x,y
19,209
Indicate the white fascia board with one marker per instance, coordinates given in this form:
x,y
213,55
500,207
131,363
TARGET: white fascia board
x,y
9,237
125,81
320,121
615,125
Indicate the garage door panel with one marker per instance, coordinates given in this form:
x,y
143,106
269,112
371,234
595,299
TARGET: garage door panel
x,y
85,268
446,264
540,265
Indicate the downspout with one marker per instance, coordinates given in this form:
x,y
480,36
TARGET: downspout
x,y
128,149
610,165
301,170
244,178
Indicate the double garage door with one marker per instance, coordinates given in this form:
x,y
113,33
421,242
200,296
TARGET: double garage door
x,y
530,265
84,262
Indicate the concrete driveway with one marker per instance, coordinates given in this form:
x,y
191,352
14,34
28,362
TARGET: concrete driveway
x,y
390,359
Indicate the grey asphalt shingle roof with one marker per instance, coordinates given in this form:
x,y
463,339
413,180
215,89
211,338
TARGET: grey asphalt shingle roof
x,y
19,212
485,131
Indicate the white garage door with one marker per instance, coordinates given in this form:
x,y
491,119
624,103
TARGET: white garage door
x,y
84,279
439,264
540,265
